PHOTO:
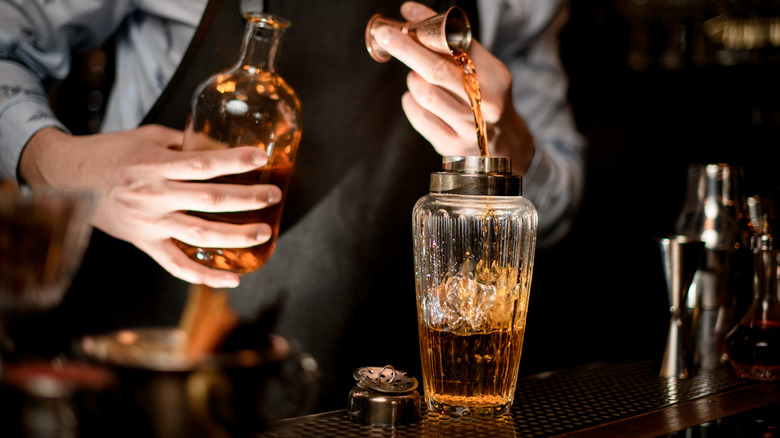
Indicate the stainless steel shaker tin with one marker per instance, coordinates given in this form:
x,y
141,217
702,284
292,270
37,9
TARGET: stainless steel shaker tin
x,y
482,176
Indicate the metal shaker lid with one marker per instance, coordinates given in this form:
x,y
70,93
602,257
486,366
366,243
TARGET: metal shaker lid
x,y
384,396
482,176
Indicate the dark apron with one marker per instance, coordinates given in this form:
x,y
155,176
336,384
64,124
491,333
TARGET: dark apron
x,y
343,265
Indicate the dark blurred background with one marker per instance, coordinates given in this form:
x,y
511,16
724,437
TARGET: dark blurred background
x,y
655,86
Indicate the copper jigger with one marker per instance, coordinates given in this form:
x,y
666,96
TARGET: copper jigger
x,y
440,33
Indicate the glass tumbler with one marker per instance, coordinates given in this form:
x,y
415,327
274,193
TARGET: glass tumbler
x,y
474,246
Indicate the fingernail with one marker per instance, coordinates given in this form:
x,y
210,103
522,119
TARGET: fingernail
x,y
411,10
259,158
264,232
274,195
229,280
383,35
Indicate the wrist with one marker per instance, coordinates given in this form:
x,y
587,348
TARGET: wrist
x,y
514,140
36,163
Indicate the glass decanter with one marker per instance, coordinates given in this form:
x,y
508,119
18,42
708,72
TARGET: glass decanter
x,y
248,105
754,344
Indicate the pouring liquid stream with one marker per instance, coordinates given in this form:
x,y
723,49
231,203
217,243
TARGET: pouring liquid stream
x,y
471,85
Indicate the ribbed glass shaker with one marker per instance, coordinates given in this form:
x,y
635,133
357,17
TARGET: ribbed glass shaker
x,y
474,246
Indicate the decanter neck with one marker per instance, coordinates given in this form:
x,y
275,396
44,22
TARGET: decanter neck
x,y
765,276
262,36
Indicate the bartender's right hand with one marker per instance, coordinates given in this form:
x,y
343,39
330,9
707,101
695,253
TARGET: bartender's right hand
x,y
145,186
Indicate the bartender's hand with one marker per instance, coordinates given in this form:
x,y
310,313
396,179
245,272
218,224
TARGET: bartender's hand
x,y
436,103
144,188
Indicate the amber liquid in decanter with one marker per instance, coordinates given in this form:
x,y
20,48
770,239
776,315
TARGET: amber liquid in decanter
x,y
248,105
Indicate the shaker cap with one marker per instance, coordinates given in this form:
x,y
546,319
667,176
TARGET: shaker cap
x,y
484,176
384,396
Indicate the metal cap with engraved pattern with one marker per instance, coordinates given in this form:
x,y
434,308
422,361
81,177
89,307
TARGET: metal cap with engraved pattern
x,y
384,396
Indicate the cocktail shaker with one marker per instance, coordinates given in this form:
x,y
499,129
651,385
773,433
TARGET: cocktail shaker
x,y
474,243
712,213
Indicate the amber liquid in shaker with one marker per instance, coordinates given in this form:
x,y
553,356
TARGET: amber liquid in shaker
x,y
471,356
484,374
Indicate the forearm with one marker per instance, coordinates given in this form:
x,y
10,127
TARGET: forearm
x,y
36,40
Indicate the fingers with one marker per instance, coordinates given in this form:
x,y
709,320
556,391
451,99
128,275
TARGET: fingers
x,y
440,70
442,137
206,165
220,197
210,234
161,178
211,159
424,121
414,12
454,112
170,257
200,141
435,68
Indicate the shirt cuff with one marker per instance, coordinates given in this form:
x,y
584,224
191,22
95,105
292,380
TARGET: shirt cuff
x,y
535,168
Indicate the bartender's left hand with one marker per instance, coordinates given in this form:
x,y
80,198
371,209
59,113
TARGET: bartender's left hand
x,y
436,103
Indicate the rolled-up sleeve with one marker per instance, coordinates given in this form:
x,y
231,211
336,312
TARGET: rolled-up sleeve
x,y
24,109
36,40
524,34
